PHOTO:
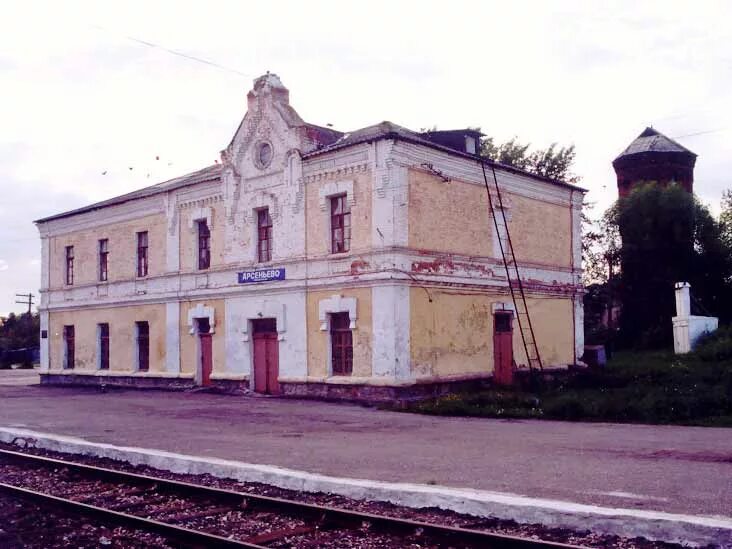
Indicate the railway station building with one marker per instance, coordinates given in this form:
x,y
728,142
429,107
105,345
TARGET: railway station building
x,y
310,262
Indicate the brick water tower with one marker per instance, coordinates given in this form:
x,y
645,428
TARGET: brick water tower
x,y
654,157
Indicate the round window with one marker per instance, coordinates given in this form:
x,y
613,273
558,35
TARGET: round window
x,y
264,154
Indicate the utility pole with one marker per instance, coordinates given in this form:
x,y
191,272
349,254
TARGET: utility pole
x,y
27,301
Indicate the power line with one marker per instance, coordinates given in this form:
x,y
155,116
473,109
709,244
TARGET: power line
x,y
176,52
27,301
698,133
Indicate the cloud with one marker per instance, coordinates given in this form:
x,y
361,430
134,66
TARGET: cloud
x,y
4,265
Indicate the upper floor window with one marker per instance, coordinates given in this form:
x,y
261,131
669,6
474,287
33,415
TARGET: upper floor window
x,y
142,253
341,341
204,245
264,235
103,259
69,347
69,265
340,224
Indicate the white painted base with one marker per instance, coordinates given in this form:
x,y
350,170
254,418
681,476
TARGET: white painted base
x,y
655,525
688,330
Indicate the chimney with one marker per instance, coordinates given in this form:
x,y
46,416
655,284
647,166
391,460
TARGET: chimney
x,y
683,299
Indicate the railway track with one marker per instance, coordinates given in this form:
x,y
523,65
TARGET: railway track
x,y
191,515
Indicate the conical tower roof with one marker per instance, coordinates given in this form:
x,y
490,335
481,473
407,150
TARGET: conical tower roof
x,y
651,140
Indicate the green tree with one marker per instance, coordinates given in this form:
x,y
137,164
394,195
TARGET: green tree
x,y
554,162
667,237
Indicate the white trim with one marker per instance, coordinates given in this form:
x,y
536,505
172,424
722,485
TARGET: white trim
x,y
337,304
498,306
201,311
200,214
265,308
172,337
335,188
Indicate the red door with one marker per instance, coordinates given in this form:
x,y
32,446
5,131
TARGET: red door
x,y
503,347
204,340
266,359
206,359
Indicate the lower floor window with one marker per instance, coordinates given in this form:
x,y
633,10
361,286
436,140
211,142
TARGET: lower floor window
x,y
104,346
143,346
341,339
69,347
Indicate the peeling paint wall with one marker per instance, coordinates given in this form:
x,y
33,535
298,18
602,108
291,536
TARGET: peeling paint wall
x,y
122,256
319,341
122,346
541,232
448,217
453,335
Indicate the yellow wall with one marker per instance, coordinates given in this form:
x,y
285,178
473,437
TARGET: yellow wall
x,y
448,217
453,335
188,348
122,259
189,238
122,347
318,340
318,220
540,232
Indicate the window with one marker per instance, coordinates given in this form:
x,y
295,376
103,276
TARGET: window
x,y
69,347
103,259
341,339
69,265
264,235
204,245
142,253
103,331
340,224
143,346
503,322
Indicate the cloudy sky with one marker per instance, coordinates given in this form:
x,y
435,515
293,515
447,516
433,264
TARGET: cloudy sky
x,y
89,100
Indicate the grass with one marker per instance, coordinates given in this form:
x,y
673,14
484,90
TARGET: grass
x,y
635,387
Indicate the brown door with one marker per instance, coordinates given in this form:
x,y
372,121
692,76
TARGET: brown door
x,y
503,347
266,359
204,338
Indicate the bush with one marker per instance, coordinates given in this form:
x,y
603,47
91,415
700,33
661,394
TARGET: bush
x,y
715,346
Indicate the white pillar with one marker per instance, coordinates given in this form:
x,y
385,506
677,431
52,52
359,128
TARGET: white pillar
x,y
683,299
172,337
45,346
391,324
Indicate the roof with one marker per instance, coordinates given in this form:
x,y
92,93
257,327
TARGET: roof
x,y
330,139
651,140
389,130
210,173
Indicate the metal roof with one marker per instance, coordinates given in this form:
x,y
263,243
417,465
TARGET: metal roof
x,y
651,140
211,173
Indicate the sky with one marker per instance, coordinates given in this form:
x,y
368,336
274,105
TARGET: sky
x,y
94,104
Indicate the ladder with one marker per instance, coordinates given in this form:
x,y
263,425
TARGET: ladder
x,y
512,272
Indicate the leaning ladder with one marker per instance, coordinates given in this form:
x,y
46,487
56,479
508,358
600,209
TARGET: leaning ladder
x,y
512,272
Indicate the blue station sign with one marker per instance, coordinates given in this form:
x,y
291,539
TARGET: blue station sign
x,y
264,275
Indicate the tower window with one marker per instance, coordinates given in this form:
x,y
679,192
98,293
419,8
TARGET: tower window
x,y
340,224
204,245
264,235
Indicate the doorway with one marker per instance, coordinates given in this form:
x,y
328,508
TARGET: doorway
x,y
266,356
203,328
503,347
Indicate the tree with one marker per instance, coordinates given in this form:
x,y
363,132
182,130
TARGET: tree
x,y
553,162
667,237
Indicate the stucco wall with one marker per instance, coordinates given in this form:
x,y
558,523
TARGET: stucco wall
x,y
189,237
122,258
189,351
318,217
453,335
122,347
319,341
541,232
448,217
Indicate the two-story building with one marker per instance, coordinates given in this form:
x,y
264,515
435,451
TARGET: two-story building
x,y
361,265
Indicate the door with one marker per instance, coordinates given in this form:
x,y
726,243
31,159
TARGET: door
x,y
266,356
204,344
503,347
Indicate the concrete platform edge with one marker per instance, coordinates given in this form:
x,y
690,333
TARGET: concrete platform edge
x,y
655,525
